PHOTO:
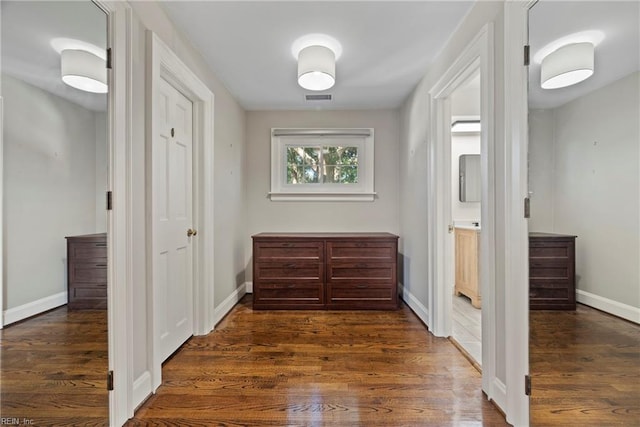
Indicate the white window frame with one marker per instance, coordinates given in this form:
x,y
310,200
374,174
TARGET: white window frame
x,y
362,138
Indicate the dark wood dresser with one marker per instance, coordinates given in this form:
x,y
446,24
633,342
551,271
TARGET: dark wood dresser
x,y
87,272
325,271
552,278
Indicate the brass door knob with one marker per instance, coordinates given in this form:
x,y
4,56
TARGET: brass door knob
x,y
191,232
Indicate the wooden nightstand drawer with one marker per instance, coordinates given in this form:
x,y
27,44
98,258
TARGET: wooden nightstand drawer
x,y
292,294
371,271
349,295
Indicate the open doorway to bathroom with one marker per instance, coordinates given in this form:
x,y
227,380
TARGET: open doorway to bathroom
x,y
465,211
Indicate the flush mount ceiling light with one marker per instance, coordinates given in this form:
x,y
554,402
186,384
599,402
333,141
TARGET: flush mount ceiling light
x,y
316,68
83,70
316,55
465,126
567,65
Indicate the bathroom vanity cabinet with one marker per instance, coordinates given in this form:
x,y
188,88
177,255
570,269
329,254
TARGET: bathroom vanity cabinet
x,y
466,260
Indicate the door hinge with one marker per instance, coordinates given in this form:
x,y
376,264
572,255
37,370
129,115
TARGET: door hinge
x,y
527,385
110,381
527,207
109,200
527,59
108,58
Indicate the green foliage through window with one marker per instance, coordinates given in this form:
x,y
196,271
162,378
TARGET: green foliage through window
x,y
322,165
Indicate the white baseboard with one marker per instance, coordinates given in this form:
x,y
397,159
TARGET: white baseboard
x,y
415,305
21,312
142,389
248,287
609,306
499,394
220,311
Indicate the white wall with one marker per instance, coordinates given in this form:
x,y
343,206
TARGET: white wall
x,y
591,148
416,149
49,183
266,216
462,144
229,185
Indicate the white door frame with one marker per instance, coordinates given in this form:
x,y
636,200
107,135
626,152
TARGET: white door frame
x,y
516,111
477,56
120,218
164,64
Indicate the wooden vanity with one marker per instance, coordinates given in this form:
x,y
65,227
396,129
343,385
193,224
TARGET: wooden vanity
x,y
466,260
325,271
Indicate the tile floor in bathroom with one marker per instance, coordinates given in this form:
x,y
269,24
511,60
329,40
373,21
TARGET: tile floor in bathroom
x,y
467,329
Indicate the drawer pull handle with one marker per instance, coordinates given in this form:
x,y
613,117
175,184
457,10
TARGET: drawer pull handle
x,y
362,265
362,286
291,286
287,245
101,265
290,265
101,245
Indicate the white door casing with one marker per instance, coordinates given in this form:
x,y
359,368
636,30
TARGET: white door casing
x,y
172,179
165,68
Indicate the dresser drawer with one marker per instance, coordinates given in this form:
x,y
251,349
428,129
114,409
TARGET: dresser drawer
x,y
298,294
274,251
370,271
88,272
84,296
302,270
361,251
88,252
348,295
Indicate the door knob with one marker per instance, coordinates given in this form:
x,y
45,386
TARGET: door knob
x,y
191,232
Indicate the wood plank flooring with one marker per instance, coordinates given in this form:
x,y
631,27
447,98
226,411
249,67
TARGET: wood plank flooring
x,y
585,369
318,368
53,369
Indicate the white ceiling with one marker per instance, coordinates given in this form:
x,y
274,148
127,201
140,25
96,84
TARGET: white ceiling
x,y
27,30
387,46
618,54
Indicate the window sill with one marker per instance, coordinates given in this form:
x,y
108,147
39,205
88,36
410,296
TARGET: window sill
x,y
322,197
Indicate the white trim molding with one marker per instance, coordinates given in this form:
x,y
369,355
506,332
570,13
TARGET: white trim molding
x,y
142,388
415,305
513,185
120,218
227,305
610,306
32,308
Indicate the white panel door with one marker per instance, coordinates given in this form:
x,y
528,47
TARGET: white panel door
x,y
172,218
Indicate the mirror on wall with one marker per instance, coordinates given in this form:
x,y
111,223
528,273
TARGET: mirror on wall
x,y
469,178
584,181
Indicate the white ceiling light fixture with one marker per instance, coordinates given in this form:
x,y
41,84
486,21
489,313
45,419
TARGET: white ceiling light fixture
x,y
316,68
316,55
83,70
568,65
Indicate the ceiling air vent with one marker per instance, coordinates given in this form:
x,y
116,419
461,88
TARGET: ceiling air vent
x,y
323,97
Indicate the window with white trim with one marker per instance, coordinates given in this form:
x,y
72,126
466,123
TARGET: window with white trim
x,y
322,164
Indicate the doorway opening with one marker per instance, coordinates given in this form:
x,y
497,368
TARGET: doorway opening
x,y
466,195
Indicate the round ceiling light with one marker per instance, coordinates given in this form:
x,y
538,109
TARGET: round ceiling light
x,y
316,68
83,70
567,65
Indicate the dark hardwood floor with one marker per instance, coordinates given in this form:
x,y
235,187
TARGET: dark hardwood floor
x,y
53,369
585,369
318,368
